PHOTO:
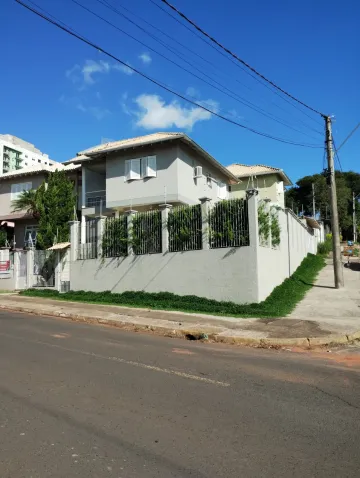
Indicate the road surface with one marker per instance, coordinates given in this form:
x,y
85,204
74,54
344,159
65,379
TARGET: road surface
x,y
88,401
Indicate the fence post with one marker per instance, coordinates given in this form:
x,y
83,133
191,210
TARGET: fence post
x,y
252,200
74,239
130,216
100,228
29,268
205,211
16,269
165,209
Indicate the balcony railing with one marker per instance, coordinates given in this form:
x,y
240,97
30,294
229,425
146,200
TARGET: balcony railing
x,y
95,199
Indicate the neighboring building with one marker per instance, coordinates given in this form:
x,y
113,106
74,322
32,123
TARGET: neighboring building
x,y
16,154
22,227
270,182
144,172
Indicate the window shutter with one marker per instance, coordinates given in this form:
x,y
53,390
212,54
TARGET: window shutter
x,y
197,171
222,190
151,167
127,169
136,168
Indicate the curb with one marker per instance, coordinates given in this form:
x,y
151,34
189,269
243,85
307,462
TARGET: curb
x,y
266,343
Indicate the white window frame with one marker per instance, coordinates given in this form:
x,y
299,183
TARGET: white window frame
x,y
222,190
148,167
198,172
132,169
18,188
30,229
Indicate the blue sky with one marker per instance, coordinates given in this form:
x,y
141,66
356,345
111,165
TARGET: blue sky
x,y
64,96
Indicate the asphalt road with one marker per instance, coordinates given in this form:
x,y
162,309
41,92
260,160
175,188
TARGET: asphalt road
x,y
89,401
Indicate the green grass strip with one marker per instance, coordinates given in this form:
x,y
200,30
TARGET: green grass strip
x,y
280,302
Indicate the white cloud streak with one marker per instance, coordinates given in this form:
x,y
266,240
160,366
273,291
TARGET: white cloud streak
x,y
154,113
85,75
145,58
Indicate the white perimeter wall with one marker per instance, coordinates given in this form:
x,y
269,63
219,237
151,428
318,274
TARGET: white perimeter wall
x,y
220,274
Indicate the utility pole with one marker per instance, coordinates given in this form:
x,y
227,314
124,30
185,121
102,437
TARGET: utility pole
x,y
354,219
338,267
313,197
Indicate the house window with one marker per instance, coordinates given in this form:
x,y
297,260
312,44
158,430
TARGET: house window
x,y
132,169
148,167
209,180
30,235
17,189
222,192
39,160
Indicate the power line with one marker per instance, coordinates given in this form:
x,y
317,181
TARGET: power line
x,y
213,65
231,60
337,155
349,136
156,82
228,93
239,59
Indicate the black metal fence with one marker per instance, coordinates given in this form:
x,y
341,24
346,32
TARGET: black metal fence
x,y
44,268
115,237
147,233
185,228
89,249
229,224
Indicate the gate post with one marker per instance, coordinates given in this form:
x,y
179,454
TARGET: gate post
x,y
165,209
205,223
16,270
74,239
130,216
100,228
29,268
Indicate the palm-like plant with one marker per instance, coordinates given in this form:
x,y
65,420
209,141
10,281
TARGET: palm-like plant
x,y
27,201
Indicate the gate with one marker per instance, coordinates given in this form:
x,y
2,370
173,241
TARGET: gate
x,y
44,269
20,270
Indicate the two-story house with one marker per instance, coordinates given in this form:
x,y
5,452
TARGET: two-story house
x,y
144,172
270,182
21,226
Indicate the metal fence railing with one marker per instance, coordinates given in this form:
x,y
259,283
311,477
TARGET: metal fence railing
x,y
89,249
147,232
229,224
115,237
185,228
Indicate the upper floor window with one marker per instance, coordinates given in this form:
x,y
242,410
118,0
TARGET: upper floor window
x,y
17,189
209,180
140,168
222,192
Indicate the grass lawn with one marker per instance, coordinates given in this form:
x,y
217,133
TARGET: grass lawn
x,y
281,301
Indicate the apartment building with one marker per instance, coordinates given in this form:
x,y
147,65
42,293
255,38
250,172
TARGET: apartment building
x,y
15,154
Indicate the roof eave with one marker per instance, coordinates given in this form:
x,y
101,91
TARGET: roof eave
x,y
280,172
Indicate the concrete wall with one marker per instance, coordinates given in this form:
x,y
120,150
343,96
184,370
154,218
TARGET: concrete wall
x,y
190,189
121,193
7,281
220,274
270,186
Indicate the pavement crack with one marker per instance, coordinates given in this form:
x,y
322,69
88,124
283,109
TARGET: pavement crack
x,y
336,396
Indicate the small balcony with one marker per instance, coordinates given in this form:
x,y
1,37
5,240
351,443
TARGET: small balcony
x,y
95,199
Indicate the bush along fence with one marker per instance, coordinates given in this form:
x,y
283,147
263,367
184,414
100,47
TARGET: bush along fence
x,y
168,229
269,225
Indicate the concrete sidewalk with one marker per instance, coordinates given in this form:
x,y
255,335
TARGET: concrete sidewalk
x,y
326,315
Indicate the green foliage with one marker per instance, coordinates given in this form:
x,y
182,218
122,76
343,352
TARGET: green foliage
x,y
281,301
55,203
300,197
115,238
147,232
229,224
324,248
275,227
27,201
185,228
263,222
3,238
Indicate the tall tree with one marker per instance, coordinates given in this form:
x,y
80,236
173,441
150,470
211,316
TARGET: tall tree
x,y
300,197
56,208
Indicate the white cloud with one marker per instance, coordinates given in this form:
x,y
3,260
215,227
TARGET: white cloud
x,y
123,68
73,74
91,67
191,91
155,113
145,58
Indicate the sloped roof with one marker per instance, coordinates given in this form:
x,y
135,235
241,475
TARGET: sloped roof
x,y
96,151
244,171
41,168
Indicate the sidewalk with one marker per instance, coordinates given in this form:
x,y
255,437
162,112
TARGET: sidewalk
x,y
326,315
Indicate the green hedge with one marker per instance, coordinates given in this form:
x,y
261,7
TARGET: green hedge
x,y
281,302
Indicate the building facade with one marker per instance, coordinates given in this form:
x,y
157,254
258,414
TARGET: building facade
x,y
15,154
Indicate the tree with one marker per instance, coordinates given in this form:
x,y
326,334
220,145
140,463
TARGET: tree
x,y
27,201
56,202
346,182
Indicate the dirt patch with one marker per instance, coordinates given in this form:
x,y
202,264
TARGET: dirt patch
x,y
289,328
